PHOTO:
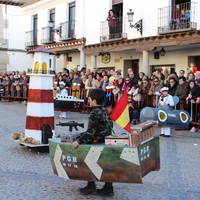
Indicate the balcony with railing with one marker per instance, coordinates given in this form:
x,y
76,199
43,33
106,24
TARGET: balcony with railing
x,y
113,29
67,30
48,35
176,18
37,71
31,38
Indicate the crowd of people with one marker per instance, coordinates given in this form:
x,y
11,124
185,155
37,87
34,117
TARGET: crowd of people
x,y
14,84
143,91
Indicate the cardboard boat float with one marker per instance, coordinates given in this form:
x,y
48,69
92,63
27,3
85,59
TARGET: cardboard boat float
x,y
123,158
68,103
72,102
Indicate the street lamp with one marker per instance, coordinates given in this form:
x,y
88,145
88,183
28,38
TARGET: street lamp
x,y
51,23
58,55
162,52
137,25
56,30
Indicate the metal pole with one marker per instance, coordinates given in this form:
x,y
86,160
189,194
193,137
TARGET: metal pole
x,y
191,111
156,101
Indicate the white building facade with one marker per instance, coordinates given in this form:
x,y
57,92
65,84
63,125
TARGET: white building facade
x,y
12,50
78,32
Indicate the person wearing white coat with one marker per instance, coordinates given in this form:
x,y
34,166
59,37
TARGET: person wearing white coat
x,y
62,92
165,101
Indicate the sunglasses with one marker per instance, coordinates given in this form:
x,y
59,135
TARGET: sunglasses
x,y
127,80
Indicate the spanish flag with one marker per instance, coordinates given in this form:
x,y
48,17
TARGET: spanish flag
x,y
120,113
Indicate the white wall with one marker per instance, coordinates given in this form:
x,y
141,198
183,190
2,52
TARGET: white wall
x,y
148,12
19,61
15,31
179,58
95,12
42,8
197,13
16,58
89,14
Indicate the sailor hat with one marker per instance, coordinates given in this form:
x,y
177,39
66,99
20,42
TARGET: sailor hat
x,y
62,83
164,89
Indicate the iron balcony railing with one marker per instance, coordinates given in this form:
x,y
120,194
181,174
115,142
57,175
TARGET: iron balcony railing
x,y
39,71
31,38
48,35
178,17
113,29
67,30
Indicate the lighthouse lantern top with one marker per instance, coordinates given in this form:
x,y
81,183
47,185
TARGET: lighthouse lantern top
x,y
41,60
43,50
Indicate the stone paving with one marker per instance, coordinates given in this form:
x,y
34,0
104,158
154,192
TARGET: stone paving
x,y
26,175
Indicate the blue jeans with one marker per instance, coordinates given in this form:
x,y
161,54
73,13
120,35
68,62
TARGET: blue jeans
x,y
135,114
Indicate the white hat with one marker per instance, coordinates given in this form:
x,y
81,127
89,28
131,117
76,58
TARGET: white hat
x,y
164,89
62,83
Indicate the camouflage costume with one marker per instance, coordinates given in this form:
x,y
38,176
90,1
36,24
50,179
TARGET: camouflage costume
x,y
99,126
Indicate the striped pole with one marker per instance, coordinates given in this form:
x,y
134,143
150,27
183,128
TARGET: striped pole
x,y
40,107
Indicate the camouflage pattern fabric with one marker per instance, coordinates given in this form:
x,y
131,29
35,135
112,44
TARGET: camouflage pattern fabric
x,y
99,126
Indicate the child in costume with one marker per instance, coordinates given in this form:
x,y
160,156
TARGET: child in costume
x,y
99,126
166,102
62,92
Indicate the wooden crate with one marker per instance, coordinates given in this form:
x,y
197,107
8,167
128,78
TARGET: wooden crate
x,y
70,137
142,132
118,140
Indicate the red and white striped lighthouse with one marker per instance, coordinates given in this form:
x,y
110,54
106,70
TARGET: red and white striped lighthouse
x,y
40,107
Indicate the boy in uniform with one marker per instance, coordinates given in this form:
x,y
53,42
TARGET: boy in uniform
x,y
166,102
62,91
99,126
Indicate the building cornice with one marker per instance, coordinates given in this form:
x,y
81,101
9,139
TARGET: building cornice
x,y
145,43
70,45
8,49
30,3
13,3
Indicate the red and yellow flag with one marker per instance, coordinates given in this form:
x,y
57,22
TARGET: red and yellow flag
x,y
120,113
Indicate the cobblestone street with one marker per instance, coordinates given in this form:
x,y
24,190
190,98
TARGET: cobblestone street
x,y
26,175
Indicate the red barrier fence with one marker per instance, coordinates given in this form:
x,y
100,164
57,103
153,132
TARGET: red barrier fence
x,y
12,92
